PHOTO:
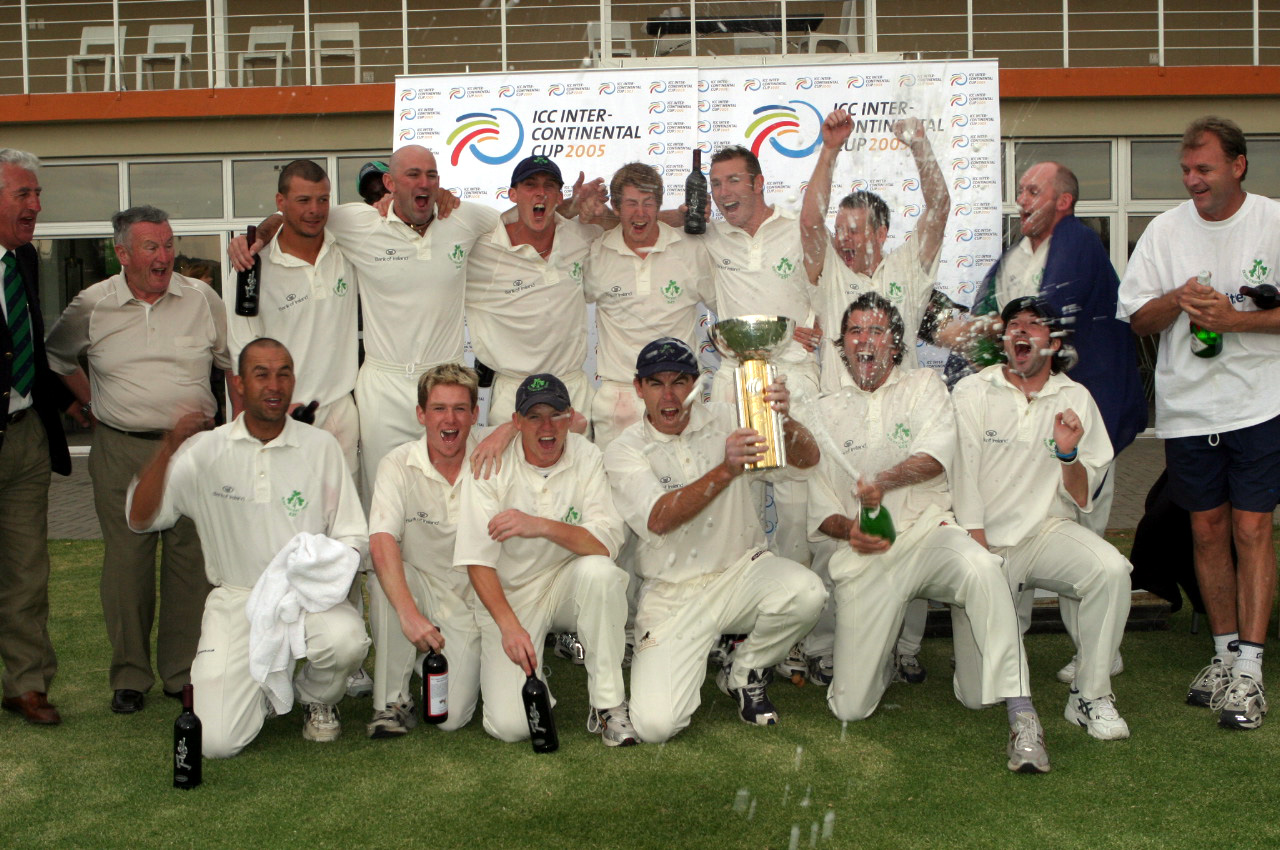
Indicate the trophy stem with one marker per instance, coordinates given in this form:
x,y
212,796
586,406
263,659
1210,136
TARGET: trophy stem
x,y
756,413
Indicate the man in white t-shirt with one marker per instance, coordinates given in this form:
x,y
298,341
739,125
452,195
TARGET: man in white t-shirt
x,y
1031,448
538,540
678,477
646,279
251,486
420,601
890,439
526,311
1218,413
308,301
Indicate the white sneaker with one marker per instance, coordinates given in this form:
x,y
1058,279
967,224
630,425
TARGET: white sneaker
x,y
394,720
1216,676
359,684
1026,745
794,666
321,722
1098,716
1241,704
614,726
1067,674
568,646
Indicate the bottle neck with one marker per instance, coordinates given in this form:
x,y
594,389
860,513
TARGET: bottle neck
x,y
188,698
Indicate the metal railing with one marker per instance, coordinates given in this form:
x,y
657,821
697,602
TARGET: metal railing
x,y
42,43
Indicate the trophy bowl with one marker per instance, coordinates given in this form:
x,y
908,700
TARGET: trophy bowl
x,y
752,337
753,341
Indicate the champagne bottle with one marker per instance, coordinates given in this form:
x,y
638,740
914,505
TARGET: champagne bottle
x,y
247,281
1264,295
695,197
537,710
307,413
1205,343
435,687
187,744
877,522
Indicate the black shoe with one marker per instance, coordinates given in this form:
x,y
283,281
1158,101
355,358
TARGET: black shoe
x,y
173,694
754,706
126,701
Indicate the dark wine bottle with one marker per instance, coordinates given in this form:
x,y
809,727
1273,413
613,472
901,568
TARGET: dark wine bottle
x,y
435,687
307,413
1266,296
187,744
537,710
695,197
247,281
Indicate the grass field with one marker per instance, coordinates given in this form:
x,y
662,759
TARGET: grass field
x,y
923,772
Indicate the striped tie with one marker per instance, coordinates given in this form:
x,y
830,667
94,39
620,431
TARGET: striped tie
x,y
22,370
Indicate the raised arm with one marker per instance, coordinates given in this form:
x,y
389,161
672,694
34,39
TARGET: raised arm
x,y
817,195
910,131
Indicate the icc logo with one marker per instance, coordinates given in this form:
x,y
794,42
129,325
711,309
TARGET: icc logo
x,y
784,120
476,129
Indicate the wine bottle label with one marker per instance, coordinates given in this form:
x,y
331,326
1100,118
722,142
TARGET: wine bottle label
x,y
438,694
180,753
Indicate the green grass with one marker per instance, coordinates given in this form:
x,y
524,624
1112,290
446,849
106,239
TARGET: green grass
x,y
922,772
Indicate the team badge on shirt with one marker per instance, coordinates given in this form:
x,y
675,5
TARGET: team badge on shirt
x,y
900,436
340,288
575,271
458,255
895,291
785,268
672,291
1257,273
294,503
571,516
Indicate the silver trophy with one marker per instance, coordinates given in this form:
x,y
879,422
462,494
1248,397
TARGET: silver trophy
x,y
753,341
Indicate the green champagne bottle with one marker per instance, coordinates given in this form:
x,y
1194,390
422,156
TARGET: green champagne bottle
x,y
1205,343
877,522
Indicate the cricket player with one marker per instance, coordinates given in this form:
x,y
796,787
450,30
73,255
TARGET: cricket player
x,y
678,477
1031,447
889,440
250,486
538,540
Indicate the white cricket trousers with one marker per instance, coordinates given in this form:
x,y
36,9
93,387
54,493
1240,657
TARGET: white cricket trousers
x,y
1084,569
387,400
343,421
230,704
772,600
790,496
872,594
614,408
587,596
448,602
502,397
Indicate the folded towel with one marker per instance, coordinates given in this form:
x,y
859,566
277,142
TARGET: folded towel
x,y
312,573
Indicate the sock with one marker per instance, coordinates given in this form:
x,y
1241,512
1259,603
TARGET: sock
x,y
1250,661
1013,705
1222,645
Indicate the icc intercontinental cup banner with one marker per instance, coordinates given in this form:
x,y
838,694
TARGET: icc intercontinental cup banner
x,y
595,120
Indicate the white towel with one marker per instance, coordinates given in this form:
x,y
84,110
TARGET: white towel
x,y
311,573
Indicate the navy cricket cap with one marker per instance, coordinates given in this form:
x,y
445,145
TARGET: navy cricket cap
x,y
666,355
1031,304
541,389
532,165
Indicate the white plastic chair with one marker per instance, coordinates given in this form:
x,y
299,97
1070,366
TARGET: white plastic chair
x,y
621,40
91,37
177,37
267,44
336,41
847,38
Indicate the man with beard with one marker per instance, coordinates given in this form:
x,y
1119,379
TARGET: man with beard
x,y
1031,449
896,430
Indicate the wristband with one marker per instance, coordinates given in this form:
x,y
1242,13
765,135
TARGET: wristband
x,y
1067,458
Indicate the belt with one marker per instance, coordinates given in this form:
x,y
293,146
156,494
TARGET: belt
x,y
141,435
15,418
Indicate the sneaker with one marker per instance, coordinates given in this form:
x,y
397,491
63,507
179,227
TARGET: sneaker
x,y
721,654
359,684
321,722
1241,703
394,720
821,669
1026,745
754,706
794,666
1067,674
1208,681
613,725
568,646
907,668
1098,716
